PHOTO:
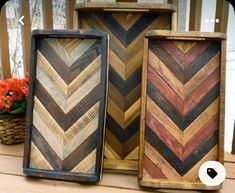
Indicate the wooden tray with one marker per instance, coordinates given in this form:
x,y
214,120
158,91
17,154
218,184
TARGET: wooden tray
x,y
67,104
126,24
182,115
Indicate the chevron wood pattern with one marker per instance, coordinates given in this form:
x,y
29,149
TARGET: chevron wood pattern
x,y
181,120
67,118
126,31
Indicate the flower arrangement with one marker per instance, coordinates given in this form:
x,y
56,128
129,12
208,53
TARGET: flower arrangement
x,y
13,94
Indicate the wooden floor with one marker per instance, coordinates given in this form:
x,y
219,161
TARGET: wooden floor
x,y
13,181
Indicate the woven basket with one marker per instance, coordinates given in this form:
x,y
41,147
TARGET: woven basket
x,y
12,129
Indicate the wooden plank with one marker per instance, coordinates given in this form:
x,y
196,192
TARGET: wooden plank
x,y
70,14
230,170
195,15
222,10
13,150
11,165
229,157
26,33
47,14
40,186
174,22
4,46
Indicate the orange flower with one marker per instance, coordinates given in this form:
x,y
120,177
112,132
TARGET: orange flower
x,y
6,103
13,91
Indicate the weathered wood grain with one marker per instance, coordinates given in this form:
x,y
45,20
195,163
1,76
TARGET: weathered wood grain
x,y
182,122
126,25
67,106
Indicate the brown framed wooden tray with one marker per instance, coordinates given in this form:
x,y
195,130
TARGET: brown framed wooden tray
x,y
126,24
67,105
182,114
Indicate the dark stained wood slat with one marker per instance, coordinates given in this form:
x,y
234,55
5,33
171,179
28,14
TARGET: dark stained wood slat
x,y
81,152
69,73
182,121
184,59
182,167
46,150
164,135
201,136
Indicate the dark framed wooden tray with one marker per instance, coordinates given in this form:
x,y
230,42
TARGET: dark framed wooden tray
x,y
182,115
67,105
126,24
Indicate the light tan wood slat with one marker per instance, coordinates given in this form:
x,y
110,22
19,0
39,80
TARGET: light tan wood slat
x,y
47,13
222,8
26,32
195,15
4,46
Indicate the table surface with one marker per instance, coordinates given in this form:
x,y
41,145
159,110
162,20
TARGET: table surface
x,y
12,179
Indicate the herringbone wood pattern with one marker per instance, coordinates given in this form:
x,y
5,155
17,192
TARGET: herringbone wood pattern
x,y
182,109
66,117
126,31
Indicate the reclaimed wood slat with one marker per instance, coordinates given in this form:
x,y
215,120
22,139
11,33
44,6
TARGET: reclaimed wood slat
x,y
190,128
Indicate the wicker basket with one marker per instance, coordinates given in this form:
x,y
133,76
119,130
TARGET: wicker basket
x,y
12,129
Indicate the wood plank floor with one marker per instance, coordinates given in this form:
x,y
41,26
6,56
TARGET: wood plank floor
x,y
12,179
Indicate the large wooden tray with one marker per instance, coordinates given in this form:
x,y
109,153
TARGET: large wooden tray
x,y
126,24
182,115
67,104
